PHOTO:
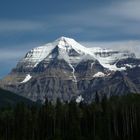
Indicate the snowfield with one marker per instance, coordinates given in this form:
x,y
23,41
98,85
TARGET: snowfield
x,y
27,78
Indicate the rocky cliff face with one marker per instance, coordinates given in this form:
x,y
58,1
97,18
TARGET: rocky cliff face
x,y
67,70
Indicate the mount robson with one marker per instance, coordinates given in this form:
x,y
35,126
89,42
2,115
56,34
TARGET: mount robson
x,y
67,70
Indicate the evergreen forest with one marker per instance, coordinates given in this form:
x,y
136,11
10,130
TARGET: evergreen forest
x,y
117,118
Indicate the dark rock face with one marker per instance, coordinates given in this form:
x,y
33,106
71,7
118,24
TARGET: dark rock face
x,y
44,66
72,52
116,84
89,66
129,62
52,88
134,75
56,81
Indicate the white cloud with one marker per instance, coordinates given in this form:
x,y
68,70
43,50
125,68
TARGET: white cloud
x,y
132,46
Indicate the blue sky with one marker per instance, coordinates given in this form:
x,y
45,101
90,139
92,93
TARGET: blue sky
x,y
25,24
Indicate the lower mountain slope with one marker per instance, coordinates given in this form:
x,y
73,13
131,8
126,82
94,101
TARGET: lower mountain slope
x,y
8,98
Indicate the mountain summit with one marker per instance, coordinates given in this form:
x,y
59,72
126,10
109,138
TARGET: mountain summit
x,y
67,70
62,48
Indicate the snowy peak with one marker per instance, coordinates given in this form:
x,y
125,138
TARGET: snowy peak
x,y
69,50
69,44
73,53
62,48
66,40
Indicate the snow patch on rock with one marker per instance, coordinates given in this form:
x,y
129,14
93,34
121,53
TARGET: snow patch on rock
x,y
99,74
79,99
27,78
73,73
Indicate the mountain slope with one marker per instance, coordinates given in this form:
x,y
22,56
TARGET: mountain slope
x,y
9,98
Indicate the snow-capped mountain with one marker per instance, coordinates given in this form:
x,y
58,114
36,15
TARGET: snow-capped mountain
x,y
72,52
62,48
67,70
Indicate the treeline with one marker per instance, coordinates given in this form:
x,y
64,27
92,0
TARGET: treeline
x,y
115,119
